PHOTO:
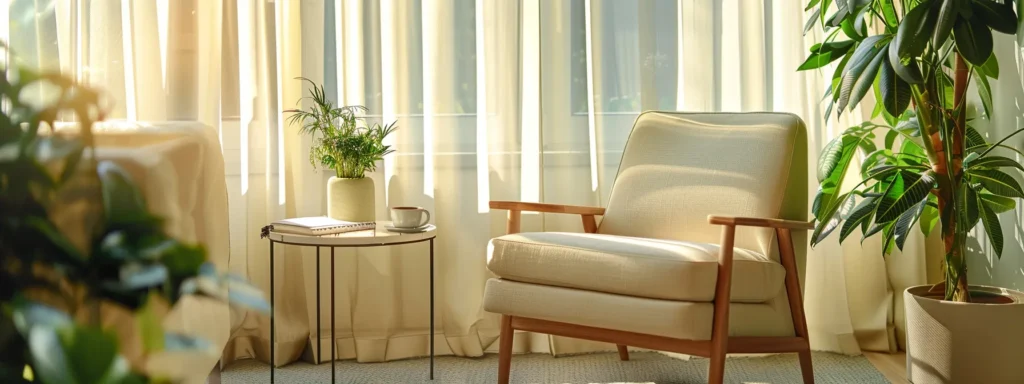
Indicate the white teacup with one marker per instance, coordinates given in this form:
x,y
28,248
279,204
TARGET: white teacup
x,y
409,217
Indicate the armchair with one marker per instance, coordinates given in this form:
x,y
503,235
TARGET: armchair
x,y
694,254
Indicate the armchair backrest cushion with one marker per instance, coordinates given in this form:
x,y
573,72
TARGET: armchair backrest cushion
x,y
678,168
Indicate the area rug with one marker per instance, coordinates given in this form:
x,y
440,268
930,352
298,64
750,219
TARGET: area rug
x,y
643,367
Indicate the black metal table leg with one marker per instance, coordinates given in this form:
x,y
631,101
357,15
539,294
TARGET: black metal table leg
x,y
319,357
272,310
431,309
333,326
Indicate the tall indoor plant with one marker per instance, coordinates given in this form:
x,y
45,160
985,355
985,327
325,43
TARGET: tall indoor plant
x,y
932,167
342,142
78,244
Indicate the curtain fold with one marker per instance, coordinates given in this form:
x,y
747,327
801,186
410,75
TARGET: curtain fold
x,y
495,100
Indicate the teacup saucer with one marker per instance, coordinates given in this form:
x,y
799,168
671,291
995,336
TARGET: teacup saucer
x,y
392,228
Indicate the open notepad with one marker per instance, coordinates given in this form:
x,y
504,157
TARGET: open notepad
x,y
319,225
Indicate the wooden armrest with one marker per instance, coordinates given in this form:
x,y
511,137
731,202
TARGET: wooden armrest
x,y
759,222
547,208
516,208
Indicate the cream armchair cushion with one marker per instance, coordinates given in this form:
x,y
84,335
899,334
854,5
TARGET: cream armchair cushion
x,y
678,168
669,318
633,266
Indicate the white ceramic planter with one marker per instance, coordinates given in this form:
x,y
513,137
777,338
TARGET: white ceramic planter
x,y
950,342
351,199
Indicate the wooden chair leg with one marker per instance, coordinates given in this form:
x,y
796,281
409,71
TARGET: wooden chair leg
x,y
716,371
623,352
720,323
505,349
796,301
805,367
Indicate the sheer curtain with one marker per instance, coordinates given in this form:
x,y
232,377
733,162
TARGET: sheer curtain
x,y
496,100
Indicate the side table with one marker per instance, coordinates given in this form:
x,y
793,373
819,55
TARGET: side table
x,y
368,238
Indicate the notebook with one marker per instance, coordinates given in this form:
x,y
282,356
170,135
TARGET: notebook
x,y
318,225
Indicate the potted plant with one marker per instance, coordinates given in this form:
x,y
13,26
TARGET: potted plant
x,y
342,142
75,234
925,165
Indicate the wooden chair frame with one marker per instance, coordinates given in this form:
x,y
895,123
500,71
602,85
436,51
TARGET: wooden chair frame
x,y
720,344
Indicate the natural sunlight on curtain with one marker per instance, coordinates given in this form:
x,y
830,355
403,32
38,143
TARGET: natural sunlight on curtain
x,y
495,100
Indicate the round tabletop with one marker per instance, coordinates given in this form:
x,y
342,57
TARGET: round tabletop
x,y
365,238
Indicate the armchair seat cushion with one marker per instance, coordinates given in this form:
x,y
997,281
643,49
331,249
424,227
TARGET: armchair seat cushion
x,y
631,266
677,319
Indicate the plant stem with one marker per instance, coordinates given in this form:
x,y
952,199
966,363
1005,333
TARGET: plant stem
x,y
927,121
951,166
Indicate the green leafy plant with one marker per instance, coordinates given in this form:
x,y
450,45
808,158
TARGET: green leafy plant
x,y
75,233
340,142
918,57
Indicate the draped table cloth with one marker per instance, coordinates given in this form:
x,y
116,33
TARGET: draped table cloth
x,y
179,169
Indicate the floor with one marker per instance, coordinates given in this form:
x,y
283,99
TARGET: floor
x,y
643,367
893,366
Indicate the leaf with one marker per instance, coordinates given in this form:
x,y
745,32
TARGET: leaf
x,y
811,18
831,156
857,217
837,77
888,13
861,75
837,18
992,162
137,276
148,323
811,4
992,227
826,53
890,138
888,234
92,355
28,314
997,204
50,364
967,204
122,200
895,92
910,126
985,92
1020,22
944,23
184,261
974,138
61,245
823,9
910,73
906,222
991,66
859,60
916,189
247,296
874,159
875,229
929,218
998,16
849,30
915,30
847,207
973,40
998,183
